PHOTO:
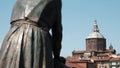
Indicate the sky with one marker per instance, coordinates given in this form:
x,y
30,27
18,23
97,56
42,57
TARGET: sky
x,y
77,19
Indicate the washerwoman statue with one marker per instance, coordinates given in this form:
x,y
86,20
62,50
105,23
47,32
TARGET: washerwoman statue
x,y
29,44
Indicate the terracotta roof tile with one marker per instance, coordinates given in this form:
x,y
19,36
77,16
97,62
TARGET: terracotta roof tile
x,y
76,65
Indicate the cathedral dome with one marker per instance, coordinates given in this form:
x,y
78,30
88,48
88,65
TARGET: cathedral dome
x,y
95,33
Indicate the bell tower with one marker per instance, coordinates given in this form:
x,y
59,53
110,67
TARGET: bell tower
x,y
95,40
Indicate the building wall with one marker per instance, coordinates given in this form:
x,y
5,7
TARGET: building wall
x,y
101,44
115,64
103,65
95,44
91,65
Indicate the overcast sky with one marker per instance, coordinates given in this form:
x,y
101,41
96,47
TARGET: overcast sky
x,y
77,18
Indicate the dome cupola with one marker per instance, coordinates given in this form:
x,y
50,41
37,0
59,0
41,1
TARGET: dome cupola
x,y
95,41
95,33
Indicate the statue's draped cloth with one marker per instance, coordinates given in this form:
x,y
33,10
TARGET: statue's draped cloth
x,y
28,43
31,9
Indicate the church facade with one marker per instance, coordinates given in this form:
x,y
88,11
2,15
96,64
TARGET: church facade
x,y
96,55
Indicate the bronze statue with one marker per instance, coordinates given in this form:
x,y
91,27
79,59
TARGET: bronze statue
x,y
29,44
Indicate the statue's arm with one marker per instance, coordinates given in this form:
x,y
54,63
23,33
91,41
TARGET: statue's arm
x,y
57,33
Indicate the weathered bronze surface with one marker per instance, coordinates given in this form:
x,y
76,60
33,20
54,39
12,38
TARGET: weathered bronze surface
x,y
28,43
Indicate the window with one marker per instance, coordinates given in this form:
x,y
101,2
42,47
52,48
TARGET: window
x,y
113,63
